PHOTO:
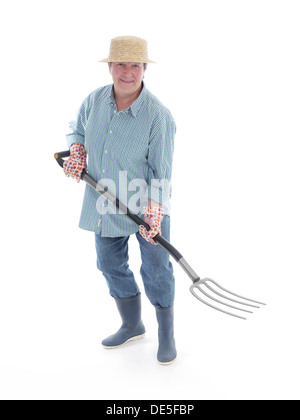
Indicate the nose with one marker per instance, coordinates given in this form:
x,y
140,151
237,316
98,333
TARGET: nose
x,y
127,69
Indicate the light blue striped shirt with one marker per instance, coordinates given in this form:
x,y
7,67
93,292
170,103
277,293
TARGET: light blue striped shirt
x,y
129,151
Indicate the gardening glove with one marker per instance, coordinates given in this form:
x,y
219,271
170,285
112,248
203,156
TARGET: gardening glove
x,y
153,217
76,163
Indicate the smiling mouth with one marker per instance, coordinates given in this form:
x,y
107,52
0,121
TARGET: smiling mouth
x,y
127,81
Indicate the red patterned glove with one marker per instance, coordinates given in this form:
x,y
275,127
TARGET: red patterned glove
x,y
76,163
153,217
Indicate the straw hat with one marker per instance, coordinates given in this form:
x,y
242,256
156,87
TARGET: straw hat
x,y
128,49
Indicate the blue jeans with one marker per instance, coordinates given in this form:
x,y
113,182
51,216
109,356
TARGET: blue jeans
x,y
156,269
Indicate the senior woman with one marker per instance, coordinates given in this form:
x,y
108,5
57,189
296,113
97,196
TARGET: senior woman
x,y
128,135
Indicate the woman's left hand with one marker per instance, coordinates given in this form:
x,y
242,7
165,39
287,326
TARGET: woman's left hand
x,y
153,217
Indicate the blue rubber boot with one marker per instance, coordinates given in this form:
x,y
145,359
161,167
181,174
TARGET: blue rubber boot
x,y
132,328
166,349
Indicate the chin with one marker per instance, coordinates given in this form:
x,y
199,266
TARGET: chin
x,y
127,89
124,86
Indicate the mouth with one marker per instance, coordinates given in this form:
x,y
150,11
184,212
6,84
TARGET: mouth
x,y
127,82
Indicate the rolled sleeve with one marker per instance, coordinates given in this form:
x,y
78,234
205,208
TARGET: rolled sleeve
x,y
74,138
160,158
78,126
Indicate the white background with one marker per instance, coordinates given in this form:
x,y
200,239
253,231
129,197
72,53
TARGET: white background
x,y
229,72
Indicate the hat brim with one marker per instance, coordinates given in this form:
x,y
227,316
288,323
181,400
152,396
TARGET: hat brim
x,y
111,60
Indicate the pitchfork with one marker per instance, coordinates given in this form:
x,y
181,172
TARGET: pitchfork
x,y
199,288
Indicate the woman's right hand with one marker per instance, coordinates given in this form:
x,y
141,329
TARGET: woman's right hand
x,y
76,163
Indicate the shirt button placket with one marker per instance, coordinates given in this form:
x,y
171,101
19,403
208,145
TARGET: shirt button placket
x,y
105,151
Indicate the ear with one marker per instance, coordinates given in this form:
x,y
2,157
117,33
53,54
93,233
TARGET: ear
x,y
109,67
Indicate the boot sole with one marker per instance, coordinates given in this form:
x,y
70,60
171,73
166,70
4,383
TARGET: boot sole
x,y
167,363
135,338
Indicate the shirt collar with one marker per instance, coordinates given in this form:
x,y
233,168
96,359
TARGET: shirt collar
x,y
110,99
135,106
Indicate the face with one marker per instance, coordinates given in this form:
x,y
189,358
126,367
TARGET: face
x,y
127,78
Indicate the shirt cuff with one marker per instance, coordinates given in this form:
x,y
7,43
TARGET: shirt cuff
x,y
74,138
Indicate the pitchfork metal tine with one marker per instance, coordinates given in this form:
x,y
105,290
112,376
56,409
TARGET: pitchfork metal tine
x,y
220,301
228,298
212,306
231,293
198,283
